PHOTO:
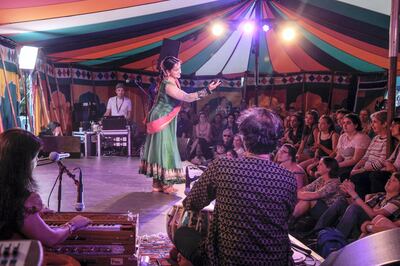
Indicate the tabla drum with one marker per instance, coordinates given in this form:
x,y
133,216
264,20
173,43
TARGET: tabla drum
x,y
177,216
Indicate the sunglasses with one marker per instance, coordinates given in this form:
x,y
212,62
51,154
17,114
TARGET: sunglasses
x,y
227,136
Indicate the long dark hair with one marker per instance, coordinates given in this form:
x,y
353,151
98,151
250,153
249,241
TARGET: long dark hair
x,y
332,165
167,64
17,150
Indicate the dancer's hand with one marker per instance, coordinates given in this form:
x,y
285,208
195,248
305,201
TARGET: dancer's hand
x,y
214,84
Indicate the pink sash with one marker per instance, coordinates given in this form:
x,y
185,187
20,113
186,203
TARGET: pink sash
x,y
160,123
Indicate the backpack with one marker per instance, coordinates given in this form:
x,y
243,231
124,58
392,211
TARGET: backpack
x,y
329,240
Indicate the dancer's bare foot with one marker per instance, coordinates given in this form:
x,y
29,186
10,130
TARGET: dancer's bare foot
x,y
157,186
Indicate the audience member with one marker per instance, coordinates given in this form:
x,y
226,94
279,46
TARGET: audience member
x,y
309,137
392,164
231,123
238,145
319,195
352,216
374,157
326,144
378,224
294,134
286,157
339,115
352,145
217,126
366,122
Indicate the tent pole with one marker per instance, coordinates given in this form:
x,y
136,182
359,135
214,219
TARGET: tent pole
x,y
331,93
393,50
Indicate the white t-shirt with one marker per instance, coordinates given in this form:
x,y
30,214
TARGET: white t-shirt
x,y
346,146
119,106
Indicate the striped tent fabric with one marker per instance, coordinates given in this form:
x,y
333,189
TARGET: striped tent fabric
x,y
336,36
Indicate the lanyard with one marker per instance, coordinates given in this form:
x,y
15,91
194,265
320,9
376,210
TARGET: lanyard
x,y
116,104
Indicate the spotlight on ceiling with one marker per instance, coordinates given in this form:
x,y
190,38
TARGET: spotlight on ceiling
x,y
265,27
27,57
288,33
217,29
248,26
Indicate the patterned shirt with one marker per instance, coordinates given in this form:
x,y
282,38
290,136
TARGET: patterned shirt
x,y
254,200
392,205
329,190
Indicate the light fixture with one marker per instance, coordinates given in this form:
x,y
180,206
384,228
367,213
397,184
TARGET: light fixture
x,y
217,29
288,33
265,27
27,57
247,26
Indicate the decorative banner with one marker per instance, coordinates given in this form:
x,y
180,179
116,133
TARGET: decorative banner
x,y
81,75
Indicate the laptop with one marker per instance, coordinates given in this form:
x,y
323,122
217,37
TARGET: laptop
x,y
114,122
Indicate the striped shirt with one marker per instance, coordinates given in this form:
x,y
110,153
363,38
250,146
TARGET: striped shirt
x,y
376,154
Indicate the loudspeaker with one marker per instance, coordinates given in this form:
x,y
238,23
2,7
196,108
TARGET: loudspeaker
x,y
68,144
168,48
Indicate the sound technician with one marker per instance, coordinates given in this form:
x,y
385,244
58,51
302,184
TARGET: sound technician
x,y
20,204
119,105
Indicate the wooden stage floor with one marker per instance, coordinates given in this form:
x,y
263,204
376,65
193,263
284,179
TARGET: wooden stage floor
x,y
111,184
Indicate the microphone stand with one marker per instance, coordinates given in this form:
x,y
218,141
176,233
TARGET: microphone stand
x,y
61,170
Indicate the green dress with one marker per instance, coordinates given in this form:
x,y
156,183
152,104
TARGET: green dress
x,y
161,159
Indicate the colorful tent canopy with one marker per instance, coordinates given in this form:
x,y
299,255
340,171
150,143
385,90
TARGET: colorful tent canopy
x,y
127,34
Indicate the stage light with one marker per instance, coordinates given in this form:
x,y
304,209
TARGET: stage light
x,y
248,26
217,29
27,57
265,27
288,33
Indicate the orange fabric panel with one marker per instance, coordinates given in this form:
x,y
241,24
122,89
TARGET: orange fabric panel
x,y
130,44
302,59
351,49
14,15
280,60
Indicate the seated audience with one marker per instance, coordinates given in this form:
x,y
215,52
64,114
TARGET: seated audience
x,y
251,225
352,216
366,122
375,156
238,145
319,195
326,144
231,123
286,157
294,134
339,115
217,126
231,154
20,203
199,159
309,137
351,146
227,139
392,164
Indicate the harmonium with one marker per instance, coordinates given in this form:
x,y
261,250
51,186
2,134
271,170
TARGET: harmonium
x,y
111,238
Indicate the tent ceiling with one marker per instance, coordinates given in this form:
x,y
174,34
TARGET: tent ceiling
x,y
345,35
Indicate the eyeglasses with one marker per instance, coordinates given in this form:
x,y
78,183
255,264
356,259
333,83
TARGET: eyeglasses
x,y
227,135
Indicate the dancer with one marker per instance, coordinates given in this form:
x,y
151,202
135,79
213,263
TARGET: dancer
x,y
161,159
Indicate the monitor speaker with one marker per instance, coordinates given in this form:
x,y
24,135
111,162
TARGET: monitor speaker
x,y
169,48
68,144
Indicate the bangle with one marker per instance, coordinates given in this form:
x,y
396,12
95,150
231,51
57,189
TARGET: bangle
x,y
208,90
70,227
356,198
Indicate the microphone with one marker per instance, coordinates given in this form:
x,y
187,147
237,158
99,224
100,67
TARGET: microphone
x,y
79,206
55,156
